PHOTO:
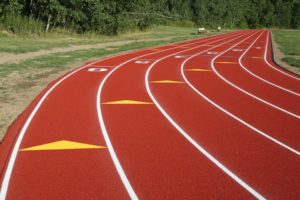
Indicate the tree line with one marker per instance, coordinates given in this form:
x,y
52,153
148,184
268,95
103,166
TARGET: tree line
x,y
115,16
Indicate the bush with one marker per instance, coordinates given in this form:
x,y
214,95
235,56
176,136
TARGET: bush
x,y
21,25
182,23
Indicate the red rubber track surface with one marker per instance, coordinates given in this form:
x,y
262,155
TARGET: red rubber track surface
x,y
157,160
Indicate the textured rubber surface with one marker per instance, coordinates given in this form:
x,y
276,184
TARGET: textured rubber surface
x,y
221,91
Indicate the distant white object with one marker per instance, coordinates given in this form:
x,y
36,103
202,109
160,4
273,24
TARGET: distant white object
x,y
212,53
179,56
141,62
219,28
201,30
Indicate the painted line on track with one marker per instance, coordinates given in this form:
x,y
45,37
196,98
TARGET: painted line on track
x,y
231,114
190,139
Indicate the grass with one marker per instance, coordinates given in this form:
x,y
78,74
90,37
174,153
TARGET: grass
x,y
27,43
42,66
289,41
16,44
58,61
289,45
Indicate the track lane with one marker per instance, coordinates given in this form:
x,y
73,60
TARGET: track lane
x,y
79,104
227,139
142,129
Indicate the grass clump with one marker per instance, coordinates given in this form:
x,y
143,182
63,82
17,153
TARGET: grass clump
x,y
292,61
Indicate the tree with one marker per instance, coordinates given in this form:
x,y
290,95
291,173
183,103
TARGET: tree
x,y
115,16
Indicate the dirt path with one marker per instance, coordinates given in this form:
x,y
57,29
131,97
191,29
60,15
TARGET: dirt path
x,y
6,58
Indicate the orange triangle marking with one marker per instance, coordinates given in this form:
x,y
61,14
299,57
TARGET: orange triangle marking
x,y
199,70
166,81
127,102
62,145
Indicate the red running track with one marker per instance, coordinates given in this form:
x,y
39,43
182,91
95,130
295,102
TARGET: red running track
x,y
210,118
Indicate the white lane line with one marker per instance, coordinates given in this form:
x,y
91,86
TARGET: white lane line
x,y
276,68
193,142
232,115
246,92
260,78
13,156
111,150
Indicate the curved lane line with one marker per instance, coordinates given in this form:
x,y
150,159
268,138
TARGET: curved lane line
x,y
258,77
191,140
292,150
276,68
246,92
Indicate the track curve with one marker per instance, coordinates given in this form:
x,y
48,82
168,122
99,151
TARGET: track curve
x,y
162,123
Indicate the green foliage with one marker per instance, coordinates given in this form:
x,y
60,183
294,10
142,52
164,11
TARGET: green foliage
x,y
21,25
111,17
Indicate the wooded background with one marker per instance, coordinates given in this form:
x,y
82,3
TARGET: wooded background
x,y
114,16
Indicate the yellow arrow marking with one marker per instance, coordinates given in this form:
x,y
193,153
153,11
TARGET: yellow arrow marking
x,y
127,102
166,81
226,62
198,70
62,145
